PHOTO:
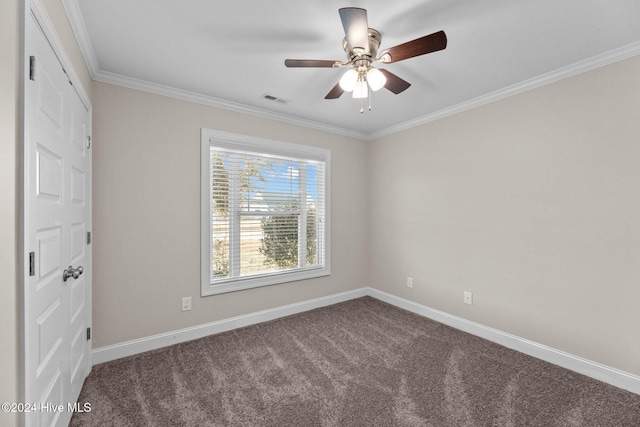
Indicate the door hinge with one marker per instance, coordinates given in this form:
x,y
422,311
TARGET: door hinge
x,y
88,141
67,74
88,237
32,68
32,263
88,334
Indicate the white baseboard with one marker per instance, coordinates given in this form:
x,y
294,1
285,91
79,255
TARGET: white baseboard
x,y
578,364
129,348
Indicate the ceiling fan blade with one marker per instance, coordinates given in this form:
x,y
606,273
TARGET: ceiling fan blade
x,y
394,83
423,45
321,63
335,93
356,28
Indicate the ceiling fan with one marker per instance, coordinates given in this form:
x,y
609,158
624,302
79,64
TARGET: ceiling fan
x,y
361,45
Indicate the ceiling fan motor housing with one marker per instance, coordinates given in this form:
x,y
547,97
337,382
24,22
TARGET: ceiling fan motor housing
x,y
356,55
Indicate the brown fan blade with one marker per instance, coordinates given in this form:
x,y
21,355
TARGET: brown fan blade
x,y
394,83
335,93
423,45
356,28
321,63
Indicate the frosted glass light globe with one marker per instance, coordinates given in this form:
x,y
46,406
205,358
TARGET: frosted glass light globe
x,y
376,79
349,80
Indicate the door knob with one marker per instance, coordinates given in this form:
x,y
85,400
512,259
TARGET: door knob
x,y
71,272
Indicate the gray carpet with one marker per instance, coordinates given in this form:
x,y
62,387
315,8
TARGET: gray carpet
x,y
358,363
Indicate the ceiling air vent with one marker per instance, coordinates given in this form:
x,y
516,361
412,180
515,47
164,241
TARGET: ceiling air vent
x,y
272,98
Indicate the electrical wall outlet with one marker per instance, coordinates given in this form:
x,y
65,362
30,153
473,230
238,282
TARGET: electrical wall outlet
x,y
409,282
468,298
186,303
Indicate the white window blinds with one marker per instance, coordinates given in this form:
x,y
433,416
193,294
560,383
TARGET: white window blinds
x,y
267,212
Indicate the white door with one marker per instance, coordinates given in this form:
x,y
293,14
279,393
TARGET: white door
x,y
57,218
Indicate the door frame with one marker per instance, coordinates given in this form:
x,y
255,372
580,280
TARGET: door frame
x,y
35,9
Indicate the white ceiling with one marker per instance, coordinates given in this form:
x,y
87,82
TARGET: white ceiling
x,y
230,53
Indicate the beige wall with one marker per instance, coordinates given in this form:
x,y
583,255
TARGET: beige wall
x,y
146,186
532,203
8,205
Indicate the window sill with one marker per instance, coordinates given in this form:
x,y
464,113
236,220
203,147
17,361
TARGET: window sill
x,y
241,283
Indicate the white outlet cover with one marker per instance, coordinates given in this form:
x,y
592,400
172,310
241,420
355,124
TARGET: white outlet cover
x,y
468,297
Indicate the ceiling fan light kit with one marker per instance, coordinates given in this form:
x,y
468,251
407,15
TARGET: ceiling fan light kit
x,y
353,79
361,45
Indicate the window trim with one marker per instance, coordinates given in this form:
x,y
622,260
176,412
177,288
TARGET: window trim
x,y
232,141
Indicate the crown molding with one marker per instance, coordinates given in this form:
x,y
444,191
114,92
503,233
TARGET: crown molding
x,y
589,64
79,29
143,85
82,37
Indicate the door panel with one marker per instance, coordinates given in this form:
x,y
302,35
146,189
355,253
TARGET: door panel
x,y
49,100
49,340
50,248
77,186
49,175
77,242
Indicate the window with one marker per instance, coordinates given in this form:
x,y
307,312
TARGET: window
x,y
264,212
